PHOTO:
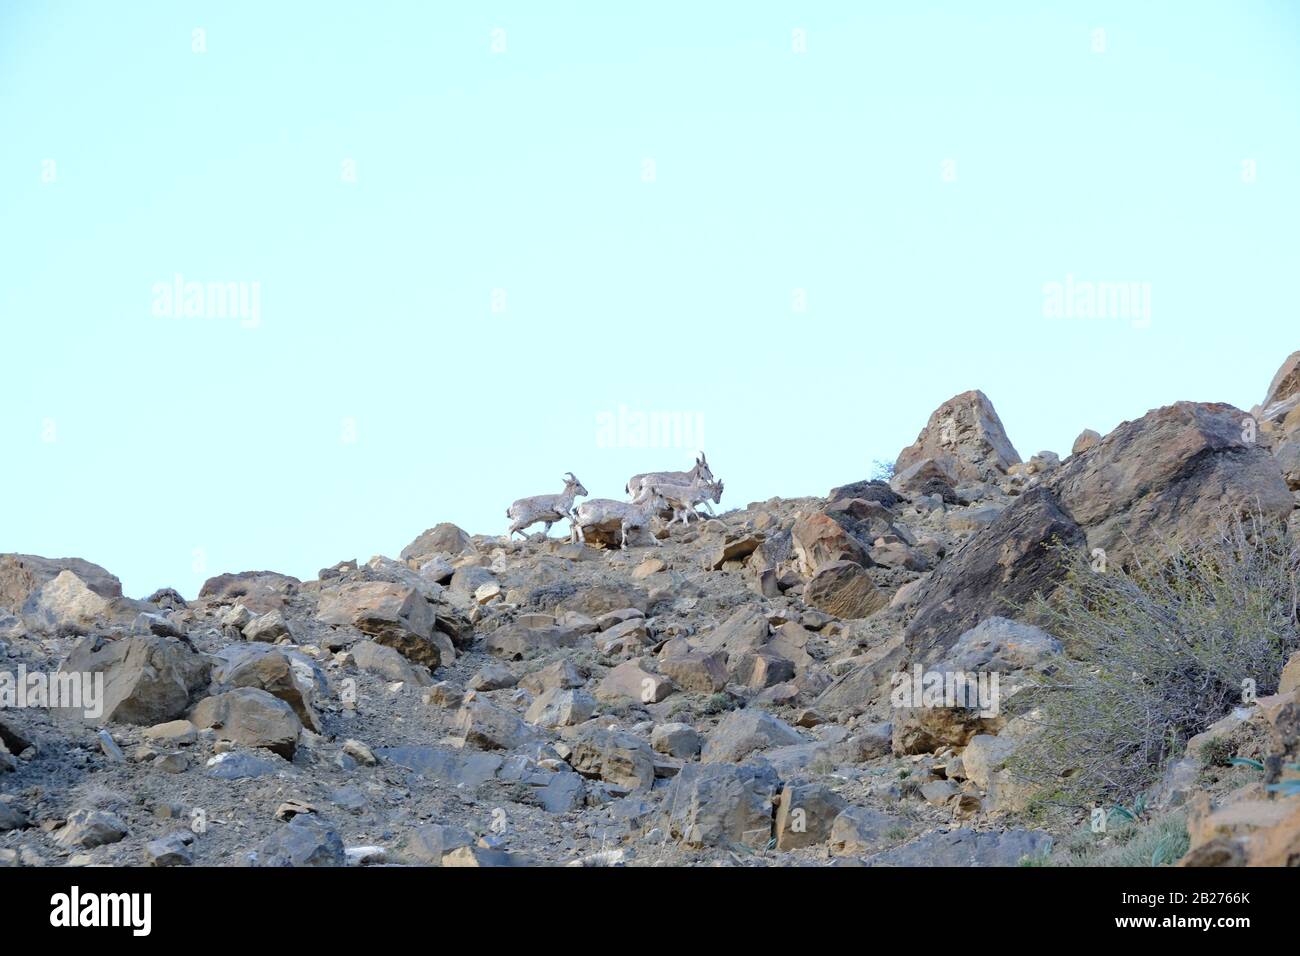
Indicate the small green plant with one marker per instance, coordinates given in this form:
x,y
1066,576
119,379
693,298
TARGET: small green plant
x,y
1133,813
1170,847
717,704
1156,653
1216,752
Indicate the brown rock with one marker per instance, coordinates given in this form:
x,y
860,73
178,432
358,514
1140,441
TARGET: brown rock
x,y
818,540
392,614
965,437
844,589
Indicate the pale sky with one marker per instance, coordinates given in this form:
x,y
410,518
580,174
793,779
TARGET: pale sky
x,y
473,235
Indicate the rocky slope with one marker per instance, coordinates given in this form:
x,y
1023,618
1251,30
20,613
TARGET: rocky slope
x,y
722,696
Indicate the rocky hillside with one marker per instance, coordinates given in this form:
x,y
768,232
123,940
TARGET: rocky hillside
x,y
718,693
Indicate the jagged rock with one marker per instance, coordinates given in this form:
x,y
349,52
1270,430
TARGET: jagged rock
x,y
615,756
492,676
874,490
12,816
468,578
995,572
459,768
1165,479
858,831
924,478
559,707
259,591
65,605
444,538
489,727
171,850
147,680
560,674
818,539
742,732
91,828
844,589
519,641
920,730
631,680
252,718
305,840
172,733
393,615
601,598
11,741
268,628
1285,385
746,629
1001,644
697,672
275,673
733,549
761,669
1087,439
22,575
677,740
389,664
426,845
805,814
477,856
445,694
242,766
721,805
965,436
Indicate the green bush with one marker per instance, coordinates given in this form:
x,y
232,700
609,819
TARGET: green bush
x,y
1155,654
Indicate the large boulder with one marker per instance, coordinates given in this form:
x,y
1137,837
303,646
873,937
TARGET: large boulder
x,y
66,606
147,679
444,538
1284,388
394,615
965,438
844,589
259,591
22,575
721,805
305,840
819,539
993,573
614,756
1001,644
388,664
482,724
1168,478
250,717
294,679
743,732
